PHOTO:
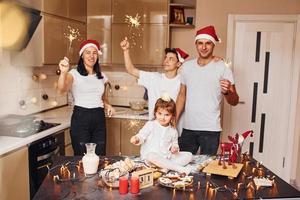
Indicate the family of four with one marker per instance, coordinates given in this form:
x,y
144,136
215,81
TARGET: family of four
x,y
186,102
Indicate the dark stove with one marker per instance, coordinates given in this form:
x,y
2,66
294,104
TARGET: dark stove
x,y
26,128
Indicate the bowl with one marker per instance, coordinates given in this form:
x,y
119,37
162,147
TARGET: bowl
x,y
137,105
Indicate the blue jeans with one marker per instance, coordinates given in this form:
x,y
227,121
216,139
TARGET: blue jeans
x,y
208,141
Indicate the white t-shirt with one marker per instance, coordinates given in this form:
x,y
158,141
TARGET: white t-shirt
x,y
157,83
87,90
157,138
203,94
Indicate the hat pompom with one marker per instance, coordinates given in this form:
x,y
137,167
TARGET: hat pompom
x,y
182,56
165,96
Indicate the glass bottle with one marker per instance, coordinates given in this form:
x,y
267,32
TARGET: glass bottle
x,y
90,160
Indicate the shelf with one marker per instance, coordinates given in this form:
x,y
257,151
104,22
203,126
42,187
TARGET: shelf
x,y
181,5
182,25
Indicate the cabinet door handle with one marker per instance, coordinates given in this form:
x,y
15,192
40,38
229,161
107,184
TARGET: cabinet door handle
x,y
241,102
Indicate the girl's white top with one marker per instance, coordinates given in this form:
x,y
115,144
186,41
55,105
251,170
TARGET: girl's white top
x,y
157,138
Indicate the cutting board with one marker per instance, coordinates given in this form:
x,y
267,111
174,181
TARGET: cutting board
x,y
214,168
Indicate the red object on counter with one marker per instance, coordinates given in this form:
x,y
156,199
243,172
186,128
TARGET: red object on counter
x,y
134,185
123,185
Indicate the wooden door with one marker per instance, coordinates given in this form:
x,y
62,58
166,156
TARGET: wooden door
x,y
263,68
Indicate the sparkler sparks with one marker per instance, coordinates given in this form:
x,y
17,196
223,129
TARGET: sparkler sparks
x,y
72,35
135,28
133,21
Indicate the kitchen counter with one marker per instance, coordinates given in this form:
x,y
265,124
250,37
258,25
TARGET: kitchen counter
x,y
60,115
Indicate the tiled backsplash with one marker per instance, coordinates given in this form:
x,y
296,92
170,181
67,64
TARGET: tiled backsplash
x,y
17,84
128,90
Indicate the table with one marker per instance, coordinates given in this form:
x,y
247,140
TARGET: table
x,y
93,188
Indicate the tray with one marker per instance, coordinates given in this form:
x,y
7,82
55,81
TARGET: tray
x,y
214,168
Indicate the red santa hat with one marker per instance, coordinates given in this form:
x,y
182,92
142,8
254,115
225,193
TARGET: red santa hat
x,y
181,55
208,33
243,136
89,43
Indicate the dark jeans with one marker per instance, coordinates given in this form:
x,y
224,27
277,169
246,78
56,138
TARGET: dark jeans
x,y
208,141
88,126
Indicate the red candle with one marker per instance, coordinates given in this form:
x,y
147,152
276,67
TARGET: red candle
x,y
123,185
134,185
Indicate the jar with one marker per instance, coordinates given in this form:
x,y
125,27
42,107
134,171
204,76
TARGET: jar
x,y
90,160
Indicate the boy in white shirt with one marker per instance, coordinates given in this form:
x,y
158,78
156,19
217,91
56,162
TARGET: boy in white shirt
x,y
156,83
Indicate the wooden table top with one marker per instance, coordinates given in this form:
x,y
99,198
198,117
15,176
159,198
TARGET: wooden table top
x,y
204,186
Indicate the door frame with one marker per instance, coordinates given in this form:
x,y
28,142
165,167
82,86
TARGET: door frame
x,y
293,132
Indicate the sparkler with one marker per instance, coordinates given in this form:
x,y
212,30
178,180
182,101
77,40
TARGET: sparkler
x,y
72,35
135,28
133,21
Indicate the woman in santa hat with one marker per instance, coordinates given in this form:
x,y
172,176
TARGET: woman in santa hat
x,y
87,84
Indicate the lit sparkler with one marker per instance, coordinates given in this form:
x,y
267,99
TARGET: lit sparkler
x,y
72,35
133,21
135,28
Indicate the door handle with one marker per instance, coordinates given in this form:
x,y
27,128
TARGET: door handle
x,y
48,155
241,102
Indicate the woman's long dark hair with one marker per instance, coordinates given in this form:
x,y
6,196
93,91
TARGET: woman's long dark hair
x,y
96,68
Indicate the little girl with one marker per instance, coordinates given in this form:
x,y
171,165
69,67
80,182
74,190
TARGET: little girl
x,y
159,139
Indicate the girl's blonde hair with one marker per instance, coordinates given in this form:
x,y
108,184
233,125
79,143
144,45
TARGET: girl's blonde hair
x,y
170,106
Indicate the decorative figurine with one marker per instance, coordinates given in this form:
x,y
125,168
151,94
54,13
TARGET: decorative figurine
x,y
233,148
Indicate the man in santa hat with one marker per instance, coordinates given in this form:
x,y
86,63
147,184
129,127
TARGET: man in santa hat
x,y
203,86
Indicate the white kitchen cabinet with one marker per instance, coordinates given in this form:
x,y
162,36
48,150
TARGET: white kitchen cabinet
x,y
14,175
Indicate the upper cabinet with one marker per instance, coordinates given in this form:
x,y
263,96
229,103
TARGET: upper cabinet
x,y
145,25
56,46
154,11
99,26
72,9
49,43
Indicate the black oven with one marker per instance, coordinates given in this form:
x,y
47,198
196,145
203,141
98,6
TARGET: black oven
x,y
40,156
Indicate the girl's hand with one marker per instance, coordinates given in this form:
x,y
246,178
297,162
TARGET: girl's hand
x,y
110,110
174,149
64,65
134,140
125,44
